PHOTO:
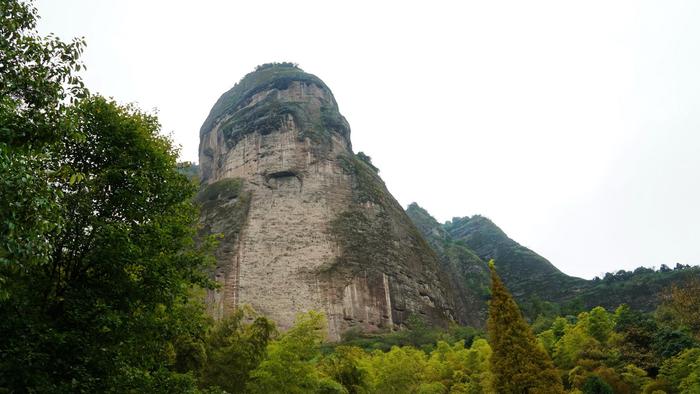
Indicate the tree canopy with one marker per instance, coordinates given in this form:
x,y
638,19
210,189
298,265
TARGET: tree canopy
x,y
519,363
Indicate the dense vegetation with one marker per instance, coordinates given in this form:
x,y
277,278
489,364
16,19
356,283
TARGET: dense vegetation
x,y
100,276
97,258
464,244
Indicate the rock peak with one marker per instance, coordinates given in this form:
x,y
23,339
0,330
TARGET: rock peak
x,y
307,224
274,97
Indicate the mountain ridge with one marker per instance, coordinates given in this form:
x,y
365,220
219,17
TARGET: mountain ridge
x,y
535,282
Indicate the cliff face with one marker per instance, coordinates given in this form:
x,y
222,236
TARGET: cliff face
x,y
307,224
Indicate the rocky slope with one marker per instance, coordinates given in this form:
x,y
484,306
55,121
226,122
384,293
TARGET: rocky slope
x,y
306,223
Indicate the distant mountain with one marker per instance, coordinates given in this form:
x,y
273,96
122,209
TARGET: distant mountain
x,y
468,273
464,244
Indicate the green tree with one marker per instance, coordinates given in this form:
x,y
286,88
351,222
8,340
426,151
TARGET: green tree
x,y
519,363
97,257
682,302
639,334
636,378
37,79
596,385
679,374
578,343
290,365
344,367
234,349
400,370
100,310
600,324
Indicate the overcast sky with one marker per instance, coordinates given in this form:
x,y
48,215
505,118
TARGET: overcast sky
x,y
573,125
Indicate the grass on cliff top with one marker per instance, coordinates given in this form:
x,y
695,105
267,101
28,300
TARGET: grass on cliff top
x,y
266,76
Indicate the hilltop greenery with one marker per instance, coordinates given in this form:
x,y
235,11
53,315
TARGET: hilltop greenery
x,y
270,113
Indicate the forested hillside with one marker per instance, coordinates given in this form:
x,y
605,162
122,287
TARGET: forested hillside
x,y
538,286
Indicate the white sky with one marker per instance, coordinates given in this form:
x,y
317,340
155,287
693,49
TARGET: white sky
x,y
573,125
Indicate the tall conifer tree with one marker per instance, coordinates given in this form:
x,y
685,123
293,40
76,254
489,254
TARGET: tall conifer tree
x,y
519,363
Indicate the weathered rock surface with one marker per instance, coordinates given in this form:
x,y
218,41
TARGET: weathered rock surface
x,y
307,224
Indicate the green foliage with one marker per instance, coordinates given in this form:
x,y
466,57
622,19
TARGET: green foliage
x,y
635,378
398,371
234,349
681,301
289,366
599,324
100,273
367,160
519,363
266,66
596,385
641,289
538,287
105,302
97,259
529,276
467,273
420,336
682,371
37,79
368,186
343,366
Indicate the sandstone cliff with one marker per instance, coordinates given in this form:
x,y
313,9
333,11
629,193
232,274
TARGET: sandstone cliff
x,y
308,224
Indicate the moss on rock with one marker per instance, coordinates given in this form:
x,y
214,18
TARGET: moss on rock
x,y
269,114
224,210
368,186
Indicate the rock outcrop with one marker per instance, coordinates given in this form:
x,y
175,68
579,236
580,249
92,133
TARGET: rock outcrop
x,y
308,224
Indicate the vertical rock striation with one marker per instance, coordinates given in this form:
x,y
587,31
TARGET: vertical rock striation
x,y
306,223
